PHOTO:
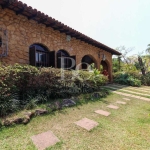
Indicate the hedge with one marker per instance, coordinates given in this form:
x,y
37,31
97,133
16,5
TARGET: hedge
x,y
19,84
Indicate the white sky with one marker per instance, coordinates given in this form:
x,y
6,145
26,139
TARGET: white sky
x,y
111,22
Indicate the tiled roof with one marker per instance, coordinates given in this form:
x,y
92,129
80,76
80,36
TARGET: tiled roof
x,y
30,13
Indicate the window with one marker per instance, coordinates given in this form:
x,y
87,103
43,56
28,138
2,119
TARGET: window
x,y
41,57
87,60
60,54
67,64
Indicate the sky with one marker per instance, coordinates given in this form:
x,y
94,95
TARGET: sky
x,y
112,22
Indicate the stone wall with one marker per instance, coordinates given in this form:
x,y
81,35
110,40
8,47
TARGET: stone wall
x,y
23,32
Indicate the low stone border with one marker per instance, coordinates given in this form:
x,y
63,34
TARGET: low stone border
x,y
27,116
25,119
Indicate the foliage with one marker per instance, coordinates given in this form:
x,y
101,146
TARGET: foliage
x,y
148,48
8,103
1,124
129,78
142,65
146,79
133,81
104,92
32,103
116,64
33,85
96,72
134,69
125,51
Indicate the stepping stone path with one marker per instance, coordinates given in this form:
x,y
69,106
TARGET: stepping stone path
x,y
123,90
113,106
127,99
120,102
44,140
47,139
86,124
102,112
130,95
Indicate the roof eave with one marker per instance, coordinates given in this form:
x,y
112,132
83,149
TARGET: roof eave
x,y
30,13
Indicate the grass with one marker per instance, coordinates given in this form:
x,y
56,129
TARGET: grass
x,y
125,129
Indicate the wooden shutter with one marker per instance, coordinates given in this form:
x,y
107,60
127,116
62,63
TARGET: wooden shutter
x,y
52,59
32,56
73,57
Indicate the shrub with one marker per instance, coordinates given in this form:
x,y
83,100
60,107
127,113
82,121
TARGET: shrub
x,y
8,103
129,78
133,81
32,103
146,79
1,124
42,84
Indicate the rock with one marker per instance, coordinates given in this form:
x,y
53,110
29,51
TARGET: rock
x,y
8,122
18,120
30,114
96,95
26,119
39,112
68,103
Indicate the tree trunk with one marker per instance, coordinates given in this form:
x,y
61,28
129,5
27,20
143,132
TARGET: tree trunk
x,y
141,65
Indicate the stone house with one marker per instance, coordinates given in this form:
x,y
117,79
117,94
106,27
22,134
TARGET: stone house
x,y
28,36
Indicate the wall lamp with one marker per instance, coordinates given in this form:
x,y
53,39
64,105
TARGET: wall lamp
x,y
103,55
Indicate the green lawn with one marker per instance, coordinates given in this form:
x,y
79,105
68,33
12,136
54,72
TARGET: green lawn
x,y
127,128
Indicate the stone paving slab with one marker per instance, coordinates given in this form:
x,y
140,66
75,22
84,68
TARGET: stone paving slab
x,y
145,99
120,102
86,124
44,140
124,94
102,112
127,99
132,92
139,90
129,95
113,106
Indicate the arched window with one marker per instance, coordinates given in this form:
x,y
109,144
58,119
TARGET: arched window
x,y
41,57
87,60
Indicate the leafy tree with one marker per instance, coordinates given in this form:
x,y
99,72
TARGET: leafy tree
x,y
115,65
148,48
124,52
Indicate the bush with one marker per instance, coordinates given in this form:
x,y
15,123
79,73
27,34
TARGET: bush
x,y
8,103
133,81
146,79
1,124
131,78
42,84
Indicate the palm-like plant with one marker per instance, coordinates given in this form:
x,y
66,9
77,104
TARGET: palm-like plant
x,y
148,48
